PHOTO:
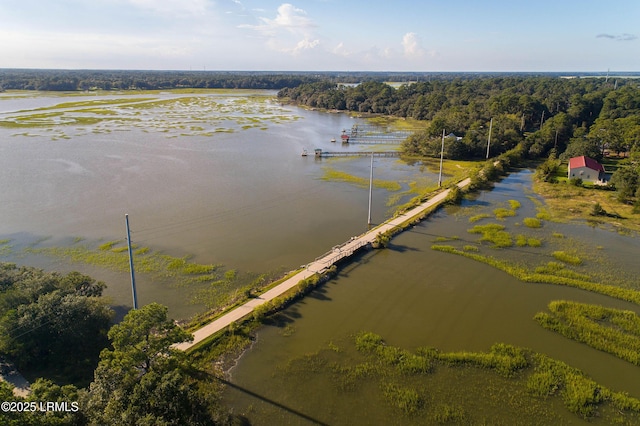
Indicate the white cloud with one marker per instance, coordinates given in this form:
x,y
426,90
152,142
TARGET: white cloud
x,y
340,50
291,31
411,46
305,44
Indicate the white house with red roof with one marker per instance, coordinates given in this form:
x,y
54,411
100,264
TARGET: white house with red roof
x,y
587,169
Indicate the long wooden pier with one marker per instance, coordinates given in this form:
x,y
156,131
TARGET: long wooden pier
x,y
369,134
358,154
319,265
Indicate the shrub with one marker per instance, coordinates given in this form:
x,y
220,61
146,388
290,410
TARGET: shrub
x,y
454,196
597,210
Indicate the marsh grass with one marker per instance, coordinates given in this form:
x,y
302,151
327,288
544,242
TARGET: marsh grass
x,y
340,176
501,213
493,233
610,330
107,255
5,247
197,111
478,217
532,276
532,222
433,393
524,241
514,204
565,257
406,399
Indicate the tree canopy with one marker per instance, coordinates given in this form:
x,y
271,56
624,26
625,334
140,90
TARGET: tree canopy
x,y
52,322
142,380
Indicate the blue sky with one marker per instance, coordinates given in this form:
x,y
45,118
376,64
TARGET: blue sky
x,y
324,35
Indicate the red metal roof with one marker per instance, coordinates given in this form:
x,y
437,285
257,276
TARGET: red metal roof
x,y
583,161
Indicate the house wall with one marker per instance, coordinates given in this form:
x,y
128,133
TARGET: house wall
x,y
584,173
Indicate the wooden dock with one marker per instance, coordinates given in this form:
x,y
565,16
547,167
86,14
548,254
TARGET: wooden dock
x,y
370,134
357,154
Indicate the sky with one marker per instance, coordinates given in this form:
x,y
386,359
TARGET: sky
x,y
322,35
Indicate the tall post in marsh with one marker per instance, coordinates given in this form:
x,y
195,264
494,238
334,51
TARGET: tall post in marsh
x,y
441,158
370,189
133,278
489,141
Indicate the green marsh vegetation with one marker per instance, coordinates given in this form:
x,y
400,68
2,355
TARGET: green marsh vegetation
x,y
206,113
610,330
492,387
547,275
209,284
5,247
331,174
493,233
552,257
532,222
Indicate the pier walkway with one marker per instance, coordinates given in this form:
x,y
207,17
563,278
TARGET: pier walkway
x,y
319,265
358,154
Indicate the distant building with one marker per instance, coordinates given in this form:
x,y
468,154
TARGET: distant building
x,y
587,169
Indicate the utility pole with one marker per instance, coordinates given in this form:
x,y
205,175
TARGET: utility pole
x,y
542,120
441,157
370,189
133,279
489,141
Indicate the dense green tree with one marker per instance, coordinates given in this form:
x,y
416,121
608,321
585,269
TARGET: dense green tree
x,y
142,380
626,180
52,322
583,146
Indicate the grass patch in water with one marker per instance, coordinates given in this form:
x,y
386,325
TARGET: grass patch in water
x,y
445,239
565,257
610,330
478,217
522,273
532,222
406,399
501,213
5,248
493,233
461,387
340,176
523,241
146,261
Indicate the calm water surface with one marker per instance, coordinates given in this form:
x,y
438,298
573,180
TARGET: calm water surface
x,y
414,296
215,176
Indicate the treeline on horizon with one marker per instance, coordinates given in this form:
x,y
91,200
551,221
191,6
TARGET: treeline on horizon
x,y
82,80
577,116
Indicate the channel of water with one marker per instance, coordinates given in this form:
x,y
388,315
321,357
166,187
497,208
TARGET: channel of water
x,y
414,296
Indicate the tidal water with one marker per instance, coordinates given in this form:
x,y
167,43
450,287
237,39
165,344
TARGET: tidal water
x,y
415,297
218,177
